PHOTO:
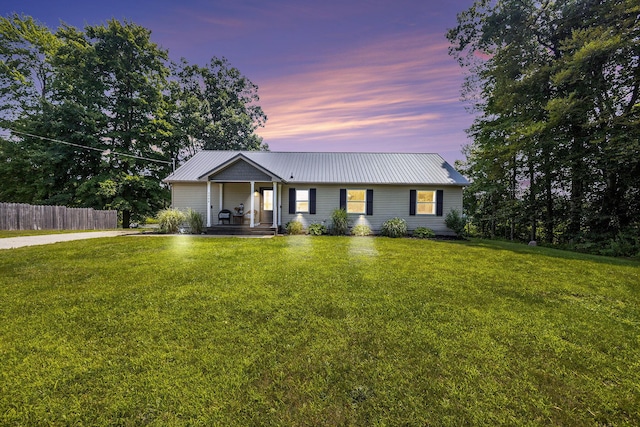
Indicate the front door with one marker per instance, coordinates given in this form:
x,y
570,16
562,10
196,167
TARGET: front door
x,y
266,205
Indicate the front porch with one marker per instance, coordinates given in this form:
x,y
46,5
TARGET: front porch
x,y
242,195
252,204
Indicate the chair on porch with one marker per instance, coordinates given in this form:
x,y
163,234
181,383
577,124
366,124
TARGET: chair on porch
x,y
224,215
247,217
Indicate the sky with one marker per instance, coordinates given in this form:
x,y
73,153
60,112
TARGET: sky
x,y
333,75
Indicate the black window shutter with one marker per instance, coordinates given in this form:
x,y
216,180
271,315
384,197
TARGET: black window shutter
x,y
413,196
439,201
343,198
292,200
369,202
312,201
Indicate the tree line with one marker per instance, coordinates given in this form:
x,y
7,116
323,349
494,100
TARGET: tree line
x,y
111,89
555,151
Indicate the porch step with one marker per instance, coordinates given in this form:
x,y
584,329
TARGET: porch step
x,y
241,230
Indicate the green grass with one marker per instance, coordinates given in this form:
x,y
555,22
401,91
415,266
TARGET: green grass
x,y
300,330
21,233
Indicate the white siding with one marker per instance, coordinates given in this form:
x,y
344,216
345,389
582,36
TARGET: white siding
x,y
190,195
388,201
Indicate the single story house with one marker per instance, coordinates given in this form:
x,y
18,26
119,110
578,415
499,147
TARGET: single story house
x,y
273,188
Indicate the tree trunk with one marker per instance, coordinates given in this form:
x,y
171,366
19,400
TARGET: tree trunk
x,y
578,177
126,219
532,202
549,220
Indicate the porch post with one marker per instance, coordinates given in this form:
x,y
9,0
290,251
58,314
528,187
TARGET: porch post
x,y
220,188
253,202
209,203
280,205
276,211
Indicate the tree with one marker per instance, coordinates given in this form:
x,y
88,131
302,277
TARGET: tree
x,y
27,49
214,108
132,74
97,119
556,84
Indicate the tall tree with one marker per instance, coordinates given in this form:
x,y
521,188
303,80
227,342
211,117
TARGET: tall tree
x,y
214,108
27,49
560,81
132,73
97,117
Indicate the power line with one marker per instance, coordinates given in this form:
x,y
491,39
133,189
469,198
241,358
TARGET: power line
x,y
89,148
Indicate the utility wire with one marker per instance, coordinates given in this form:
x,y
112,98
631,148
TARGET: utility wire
x,y
89,148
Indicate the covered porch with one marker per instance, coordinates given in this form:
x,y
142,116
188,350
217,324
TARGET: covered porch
x,y
243,205
241,193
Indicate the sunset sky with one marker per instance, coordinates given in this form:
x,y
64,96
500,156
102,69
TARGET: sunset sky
x,y
333,75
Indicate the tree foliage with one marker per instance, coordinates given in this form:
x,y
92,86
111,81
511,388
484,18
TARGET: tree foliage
x,y
214,108
555,152
123,112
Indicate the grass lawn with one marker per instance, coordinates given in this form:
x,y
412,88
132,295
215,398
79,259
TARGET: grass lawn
x,y
316,331
22,233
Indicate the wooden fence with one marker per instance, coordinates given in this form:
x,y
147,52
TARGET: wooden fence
x,y
20,216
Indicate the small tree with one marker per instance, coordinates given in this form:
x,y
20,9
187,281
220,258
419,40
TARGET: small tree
x,y
456,222
134,196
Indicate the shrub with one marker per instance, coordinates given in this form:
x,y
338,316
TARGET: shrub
x,y
294,227
455,221
361,230
624,244
317,229
195,221
170,220
423,233
394,227
339,222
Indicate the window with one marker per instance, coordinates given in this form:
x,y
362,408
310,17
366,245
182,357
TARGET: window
x,y
356,201
426,203
302,200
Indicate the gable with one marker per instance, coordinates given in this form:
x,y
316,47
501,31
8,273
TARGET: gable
x,y
240,171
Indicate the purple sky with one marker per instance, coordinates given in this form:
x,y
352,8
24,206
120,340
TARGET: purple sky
x,y
333,75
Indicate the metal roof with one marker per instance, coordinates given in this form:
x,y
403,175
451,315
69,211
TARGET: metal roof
x,y
329,168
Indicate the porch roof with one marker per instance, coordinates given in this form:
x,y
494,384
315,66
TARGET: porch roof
x,y
328,168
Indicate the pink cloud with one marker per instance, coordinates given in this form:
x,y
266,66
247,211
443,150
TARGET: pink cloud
x,y
398,87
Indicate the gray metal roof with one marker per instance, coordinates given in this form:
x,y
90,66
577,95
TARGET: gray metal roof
x,y
329,168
